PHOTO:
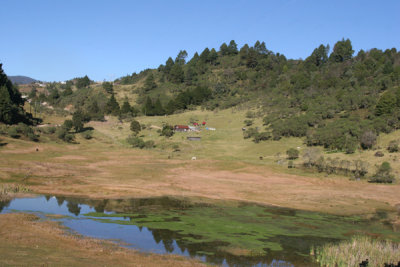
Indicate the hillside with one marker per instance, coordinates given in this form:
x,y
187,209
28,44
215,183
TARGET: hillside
x,y
332,98
21,79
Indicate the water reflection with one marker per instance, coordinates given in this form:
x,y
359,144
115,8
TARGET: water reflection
x,y
168,225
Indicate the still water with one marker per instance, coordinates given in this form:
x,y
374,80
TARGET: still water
x,y
234,234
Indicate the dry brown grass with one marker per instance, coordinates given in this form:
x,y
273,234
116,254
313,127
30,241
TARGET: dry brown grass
x,y
27,241
109,171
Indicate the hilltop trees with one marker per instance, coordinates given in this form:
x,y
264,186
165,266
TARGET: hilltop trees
x,y
319,56
82,82
108,87
343,50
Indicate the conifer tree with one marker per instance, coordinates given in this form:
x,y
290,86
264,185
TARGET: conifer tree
x,y
158,108
112,106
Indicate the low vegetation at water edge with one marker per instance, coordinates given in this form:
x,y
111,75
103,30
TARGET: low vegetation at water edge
x,y
358,249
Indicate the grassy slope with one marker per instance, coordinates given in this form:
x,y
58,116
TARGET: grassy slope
x,y
228,166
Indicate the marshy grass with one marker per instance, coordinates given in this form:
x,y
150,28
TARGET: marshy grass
x,y
359,248
6,190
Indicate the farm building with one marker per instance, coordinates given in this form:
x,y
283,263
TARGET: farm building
x,y
181,128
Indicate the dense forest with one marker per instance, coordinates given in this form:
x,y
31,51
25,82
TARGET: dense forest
x,y
334,99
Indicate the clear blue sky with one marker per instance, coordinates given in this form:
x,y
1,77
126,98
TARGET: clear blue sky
x,y
54,40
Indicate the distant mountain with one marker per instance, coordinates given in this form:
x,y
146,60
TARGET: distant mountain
x,y
21,79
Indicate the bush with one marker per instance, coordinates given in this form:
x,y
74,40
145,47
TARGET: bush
x,y
250,114
32,136
12,132
292,153
63,134
383,174
263,136
393,146
135,127
249,133
149,144
135,141
167,131
49,129
87,135
248,122
290,164
68,124
368,139
176,148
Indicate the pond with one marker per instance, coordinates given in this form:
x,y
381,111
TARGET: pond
x,y
229,234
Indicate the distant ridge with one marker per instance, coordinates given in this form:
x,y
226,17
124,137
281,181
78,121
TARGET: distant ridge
x,y
21,79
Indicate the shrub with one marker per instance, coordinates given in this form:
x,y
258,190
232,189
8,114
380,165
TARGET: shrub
x,y
368,139
249,133
135,141
290,164
250,114
383,174
167,131
361,168
310,156
292,153
68,124
12,132
264,136
63,134
32,136
149,144
49,129
393,146
69,138
87,135
248,122
135,127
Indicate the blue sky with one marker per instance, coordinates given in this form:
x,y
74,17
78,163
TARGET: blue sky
x,y
54,40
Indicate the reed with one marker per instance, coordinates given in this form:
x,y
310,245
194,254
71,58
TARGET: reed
x,y
358,249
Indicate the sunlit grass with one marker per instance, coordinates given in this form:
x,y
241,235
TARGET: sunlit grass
x,y
359,248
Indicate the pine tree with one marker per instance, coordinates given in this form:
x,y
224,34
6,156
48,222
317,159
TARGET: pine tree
x,y
148,108
177,75
181,57
112,106
224,50
6,106
149,83
232,48
212,57
343,50
77,120
126,107
158,108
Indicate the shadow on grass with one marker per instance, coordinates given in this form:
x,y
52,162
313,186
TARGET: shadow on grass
x,y
87,129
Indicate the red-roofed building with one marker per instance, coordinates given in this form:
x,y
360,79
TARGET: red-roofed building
x,y
181,128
